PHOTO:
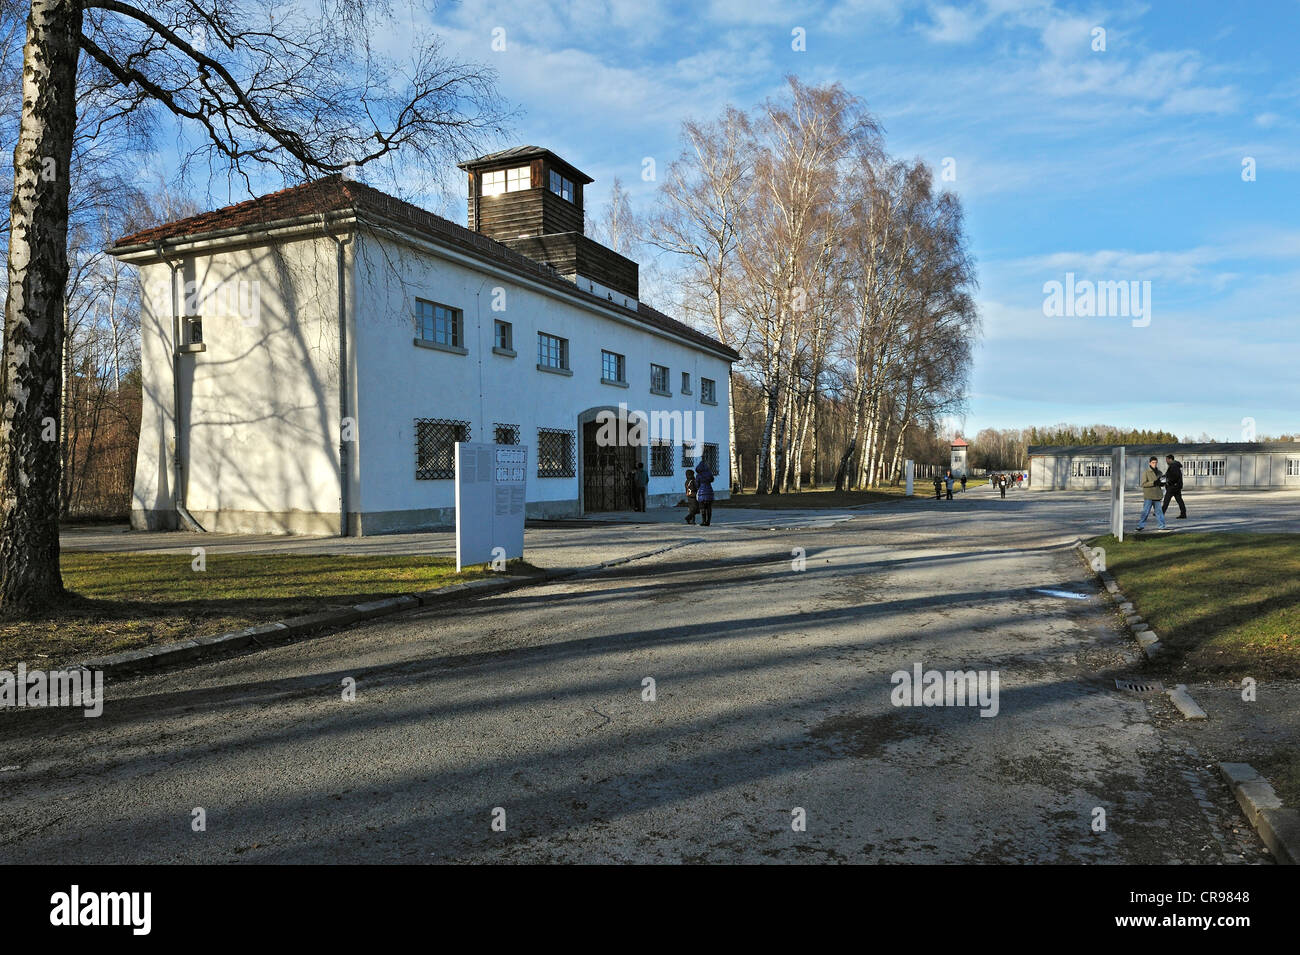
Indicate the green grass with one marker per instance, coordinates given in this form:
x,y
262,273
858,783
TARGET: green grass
x,y
125,601
1223,603
828,497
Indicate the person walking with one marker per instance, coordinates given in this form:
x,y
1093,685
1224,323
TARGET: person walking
x,y
1173,486
948,481
692,505
1152,480
704,491
639,482
1002,485
963,481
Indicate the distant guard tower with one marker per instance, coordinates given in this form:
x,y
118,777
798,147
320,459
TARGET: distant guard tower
x,y
958,460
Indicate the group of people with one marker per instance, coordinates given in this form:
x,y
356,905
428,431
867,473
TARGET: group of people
x,y
1163,487
946,481
1002,481
698,488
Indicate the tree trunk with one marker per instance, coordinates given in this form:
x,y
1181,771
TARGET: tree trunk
x,y
33,347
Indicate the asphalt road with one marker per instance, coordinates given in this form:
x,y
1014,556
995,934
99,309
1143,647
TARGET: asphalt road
x,y
772,695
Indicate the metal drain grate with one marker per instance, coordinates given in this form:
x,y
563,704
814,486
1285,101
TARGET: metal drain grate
x,y
1140,686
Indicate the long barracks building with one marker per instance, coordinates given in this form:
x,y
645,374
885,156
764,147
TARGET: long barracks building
x,y
1231,465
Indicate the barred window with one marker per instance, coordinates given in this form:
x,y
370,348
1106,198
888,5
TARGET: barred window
x,y
505,433
659,379
612,367
435,447
552,352
690,451
438,323
554,453
711,457
1218,468
661,458
708,390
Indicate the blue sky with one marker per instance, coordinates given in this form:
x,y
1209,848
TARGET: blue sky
x,y
1116,165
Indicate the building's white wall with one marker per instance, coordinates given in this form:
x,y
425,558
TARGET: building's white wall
x,y
398,381
1242,471
260,404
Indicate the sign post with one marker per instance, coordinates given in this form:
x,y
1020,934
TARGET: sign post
x,y
909,468
1117,492
491,481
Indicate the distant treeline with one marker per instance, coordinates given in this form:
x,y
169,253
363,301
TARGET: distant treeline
x,y
1098,434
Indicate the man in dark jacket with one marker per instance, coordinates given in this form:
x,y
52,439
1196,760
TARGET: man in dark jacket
x,y
1173,486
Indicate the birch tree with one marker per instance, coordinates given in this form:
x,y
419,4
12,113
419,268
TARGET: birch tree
x,y
297,88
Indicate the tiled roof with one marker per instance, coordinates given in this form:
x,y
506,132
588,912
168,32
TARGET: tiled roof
x,y
337,194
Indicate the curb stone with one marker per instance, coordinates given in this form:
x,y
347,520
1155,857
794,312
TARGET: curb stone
x,y
1147,639
327,621
1278,826
1190,709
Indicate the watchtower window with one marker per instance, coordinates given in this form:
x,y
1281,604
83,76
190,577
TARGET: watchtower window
x,y
507,180
561,186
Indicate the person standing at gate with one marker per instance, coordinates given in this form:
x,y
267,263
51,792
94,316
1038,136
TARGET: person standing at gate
x,y
1173,486
704,491
1152,480
639,481
692,504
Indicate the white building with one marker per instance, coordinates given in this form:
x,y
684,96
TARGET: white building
x,y
1232,465
309,358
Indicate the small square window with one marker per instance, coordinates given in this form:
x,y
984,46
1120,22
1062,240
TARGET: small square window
x,y
561,186
193,330
708,391
503,335
505,433
659,379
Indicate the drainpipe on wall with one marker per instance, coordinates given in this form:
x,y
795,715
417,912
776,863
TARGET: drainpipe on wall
x,y
178,451
344,377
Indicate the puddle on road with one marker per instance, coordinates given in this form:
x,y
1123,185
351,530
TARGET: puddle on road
x,y
1066,594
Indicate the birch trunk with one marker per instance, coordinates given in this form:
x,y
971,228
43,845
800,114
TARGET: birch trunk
x,y
33,342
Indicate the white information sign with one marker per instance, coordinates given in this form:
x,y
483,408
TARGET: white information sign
x,y
1117,492
909,468
491,482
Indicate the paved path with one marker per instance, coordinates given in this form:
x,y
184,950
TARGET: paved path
x,y
773,693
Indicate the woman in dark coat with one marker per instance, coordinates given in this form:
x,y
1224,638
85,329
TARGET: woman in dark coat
x,y
704,493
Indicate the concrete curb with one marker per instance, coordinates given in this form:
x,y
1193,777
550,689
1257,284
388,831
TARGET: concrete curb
x,y
1190,709
1147,638
1278,826
328,621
